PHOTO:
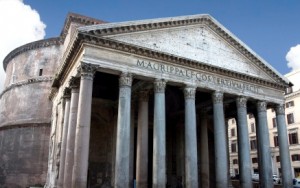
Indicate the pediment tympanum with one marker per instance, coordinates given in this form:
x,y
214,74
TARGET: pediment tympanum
x,y
197,43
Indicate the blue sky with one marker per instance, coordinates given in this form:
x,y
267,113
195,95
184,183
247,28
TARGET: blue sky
x,y
269,27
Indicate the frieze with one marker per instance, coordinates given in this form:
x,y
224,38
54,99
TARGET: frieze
x,y
261,106
189,92
280,109
197,75
125,80
241,102
159,86
217,97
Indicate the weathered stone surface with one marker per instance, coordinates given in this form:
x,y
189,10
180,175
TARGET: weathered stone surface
x,y
198,43
24,155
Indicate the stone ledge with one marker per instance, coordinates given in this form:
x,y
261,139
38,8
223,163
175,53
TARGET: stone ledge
x,y
26,82
20,124
31,46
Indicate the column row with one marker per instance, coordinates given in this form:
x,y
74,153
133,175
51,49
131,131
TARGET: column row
x,y
264,153
76,134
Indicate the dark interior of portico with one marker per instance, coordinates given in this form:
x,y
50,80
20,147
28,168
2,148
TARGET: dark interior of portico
x,y
104,125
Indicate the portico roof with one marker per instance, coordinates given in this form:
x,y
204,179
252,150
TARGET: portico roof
x,y
121,36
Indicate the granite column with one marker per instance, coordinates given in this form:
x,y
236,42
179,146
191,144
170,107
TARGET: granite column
x,y
64,137
285,161
159,135
122,170
69,161
221,164
82,138
265,167
243,143
142,142
191,167
204,153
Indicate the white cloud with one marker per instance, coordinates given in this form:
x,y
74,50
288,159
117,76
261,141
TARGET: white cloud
x,y
293,57
20,24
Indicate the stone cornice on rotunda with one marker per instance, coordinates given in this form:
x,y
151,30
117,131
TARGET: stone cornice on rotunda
x,y
31,46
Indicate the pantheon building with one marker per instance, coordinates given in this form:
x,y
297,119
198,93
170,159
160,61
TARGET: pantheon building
x,y
137,104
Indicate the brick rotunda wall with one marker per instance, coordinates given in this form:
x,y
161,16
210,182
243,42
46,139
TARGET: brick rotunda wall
x,y
25,113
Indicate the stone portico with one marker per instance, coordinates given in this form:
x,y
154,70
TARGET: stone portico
x,y
145,102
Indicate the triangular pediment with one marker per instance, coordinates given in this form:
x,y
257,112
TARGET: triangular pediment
x,y
199,38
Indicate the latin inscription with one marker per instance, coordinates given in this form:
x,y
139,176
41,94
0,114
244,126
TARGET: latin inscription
x,y
199,76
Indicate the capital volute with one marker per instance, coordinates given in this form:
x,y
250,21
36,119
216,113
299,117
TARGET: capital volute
x,y
159,86
189,92
280,109
74,82
261,106
217,97
87,70
125,79
67,93
241,102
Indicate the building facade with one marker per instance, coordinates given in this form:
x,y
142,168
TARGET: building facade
x,y
143,102
292,116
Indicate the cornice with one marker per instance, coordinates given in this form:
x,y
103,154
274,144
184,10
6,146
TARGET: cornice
x,y
123,28
77,18
82,38
26,82
30,46
291,95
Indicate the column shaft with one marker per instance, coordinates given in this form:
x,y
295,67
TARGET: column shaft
x,y
191,167
265,167
285,161
142,142
82,138
123,133
159,136
71,137
64,140
243,144
221,164
204,153
132,135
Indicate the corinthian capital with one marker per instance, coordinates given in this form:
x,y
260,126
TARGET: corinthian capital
x,y
159,86
261,106
241,102
217,97
74,82
280,109
189,92
67,93
125,79
87,70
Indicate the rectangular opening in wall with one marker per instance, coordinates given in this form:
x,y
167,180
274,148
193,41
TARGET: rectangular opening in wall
x,y
41,72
